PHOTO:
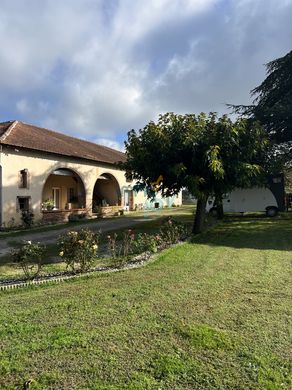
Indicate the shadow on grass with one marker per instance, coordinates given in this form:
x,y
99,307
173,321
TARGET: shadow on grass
x,y
251,231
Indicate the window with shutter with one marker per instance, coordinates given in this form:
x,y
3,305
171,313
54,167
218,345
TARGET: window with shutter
x,y
23,178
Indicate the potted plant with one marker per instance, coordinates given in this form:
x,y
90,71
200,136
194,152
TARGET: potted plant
x,y
48,204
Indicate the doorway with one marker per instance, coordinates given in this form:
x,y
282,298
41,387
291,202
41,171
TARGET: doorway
x,y
128,199
56,197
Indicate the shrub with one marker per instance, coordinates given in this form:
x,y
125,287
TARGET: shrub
x,y
123,247
112,245
144,242
11,223
79,249
126,245
120,249
29,257
115,249
27,217
171,232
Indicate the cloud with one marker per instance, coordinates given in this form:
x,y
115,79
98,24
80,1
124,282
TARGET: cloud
x,y
110,143
97,68
225,61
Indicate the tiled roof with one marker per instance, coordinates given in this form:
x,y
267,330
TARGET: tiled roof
x,y
3,127
26,136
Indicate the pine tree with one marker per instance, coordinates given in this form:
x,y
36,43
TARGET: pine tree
x,y
272,105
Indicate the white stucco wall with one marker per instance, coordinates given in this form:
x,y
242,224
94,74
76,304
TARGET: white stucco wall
x,y
141,198
40,166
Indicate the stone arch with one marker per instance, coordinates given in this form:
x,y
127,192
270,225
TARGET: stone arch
x,y
65,188
106,191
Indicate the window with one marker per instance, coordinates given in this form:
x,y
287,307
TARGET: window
x,y
23,203
23,178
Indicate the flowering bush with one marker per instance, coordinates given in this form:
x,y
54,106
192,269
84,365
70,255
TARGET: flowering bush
x,y
171,232
112,245
119,250
29,257
126,247
144,242
79,249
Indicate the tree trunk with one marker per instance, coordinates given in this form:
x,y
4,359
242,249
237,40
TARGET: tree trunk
x,y
219,206
200,214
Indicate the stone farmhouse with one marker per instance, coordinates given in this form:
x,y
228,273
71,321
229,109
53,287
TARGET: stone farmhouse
x,y
55,175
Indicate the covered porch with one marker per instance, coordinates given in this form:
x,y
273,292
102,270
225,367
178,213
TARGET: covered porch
x,y
63,194
106,192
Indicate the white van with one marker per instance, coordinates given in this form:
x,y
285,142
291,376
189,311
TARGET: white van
x,y
247,200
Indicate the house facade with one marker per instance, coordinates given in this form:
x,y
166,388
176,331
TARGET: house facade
x,y
55,175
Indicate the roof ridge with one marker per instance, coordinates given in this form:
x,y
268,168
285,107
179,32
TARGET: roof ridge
x,y
21,135
8,131
69,136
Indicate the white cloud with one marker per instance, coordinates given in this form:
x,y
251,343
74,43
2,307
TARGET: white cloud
x,y
110,143
22,106
95,68
35,36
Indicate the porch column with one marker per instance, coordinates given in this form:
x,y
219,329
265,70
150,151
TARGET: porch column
x,y
88,199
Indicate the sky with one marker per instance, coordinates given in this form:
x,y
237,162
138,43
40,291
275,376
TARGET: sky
x,y
95,69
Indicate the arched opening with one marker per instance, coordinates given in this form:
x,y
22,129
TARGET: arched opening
x,y
63,190
106,192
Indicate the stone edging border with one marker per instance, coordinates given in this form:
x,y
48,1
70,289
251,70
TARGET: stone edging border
x,y
136,262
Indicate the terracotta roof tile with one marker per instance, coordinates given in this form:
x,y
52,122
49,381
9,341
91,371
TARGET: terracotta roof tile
x,y
22,135
4,126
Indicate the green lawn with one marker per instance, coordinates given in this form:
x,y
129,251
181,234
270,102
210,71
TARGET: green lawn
x,y
211,314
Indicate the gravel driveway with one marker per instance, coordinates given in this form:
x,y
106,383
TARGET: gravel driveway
x,y
105,225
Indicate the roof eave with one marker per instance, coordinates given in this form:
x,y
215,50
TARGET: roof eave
x,y
62,155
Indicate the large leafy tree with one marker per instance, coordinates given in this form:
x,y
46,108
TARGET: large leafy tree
x,y
272,105
205,154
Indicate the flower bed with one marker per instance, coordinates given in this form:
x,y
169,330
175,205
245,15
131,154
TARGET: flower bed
x,y
79,250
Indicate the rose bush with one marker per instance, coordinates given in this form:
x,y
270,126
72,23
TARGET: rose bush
x,y
79,249
29,257
172,231
144,242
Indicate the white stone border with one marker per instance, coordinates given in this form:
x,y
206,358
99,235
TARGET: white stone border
x,y
138,261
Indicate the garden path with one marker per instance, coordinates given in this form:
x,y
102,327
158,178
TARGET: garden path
x,y
105,225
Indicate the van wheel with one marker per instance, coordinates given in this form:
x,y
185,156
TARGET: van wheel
x,y
213,211
271,211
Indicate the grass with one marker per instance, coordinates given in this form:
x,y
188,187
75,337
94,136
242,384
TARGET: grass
x,y
208,314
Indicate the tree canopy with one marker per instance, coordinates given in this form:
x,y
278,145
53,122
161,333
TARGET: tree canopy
x,y
205,154
272,105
